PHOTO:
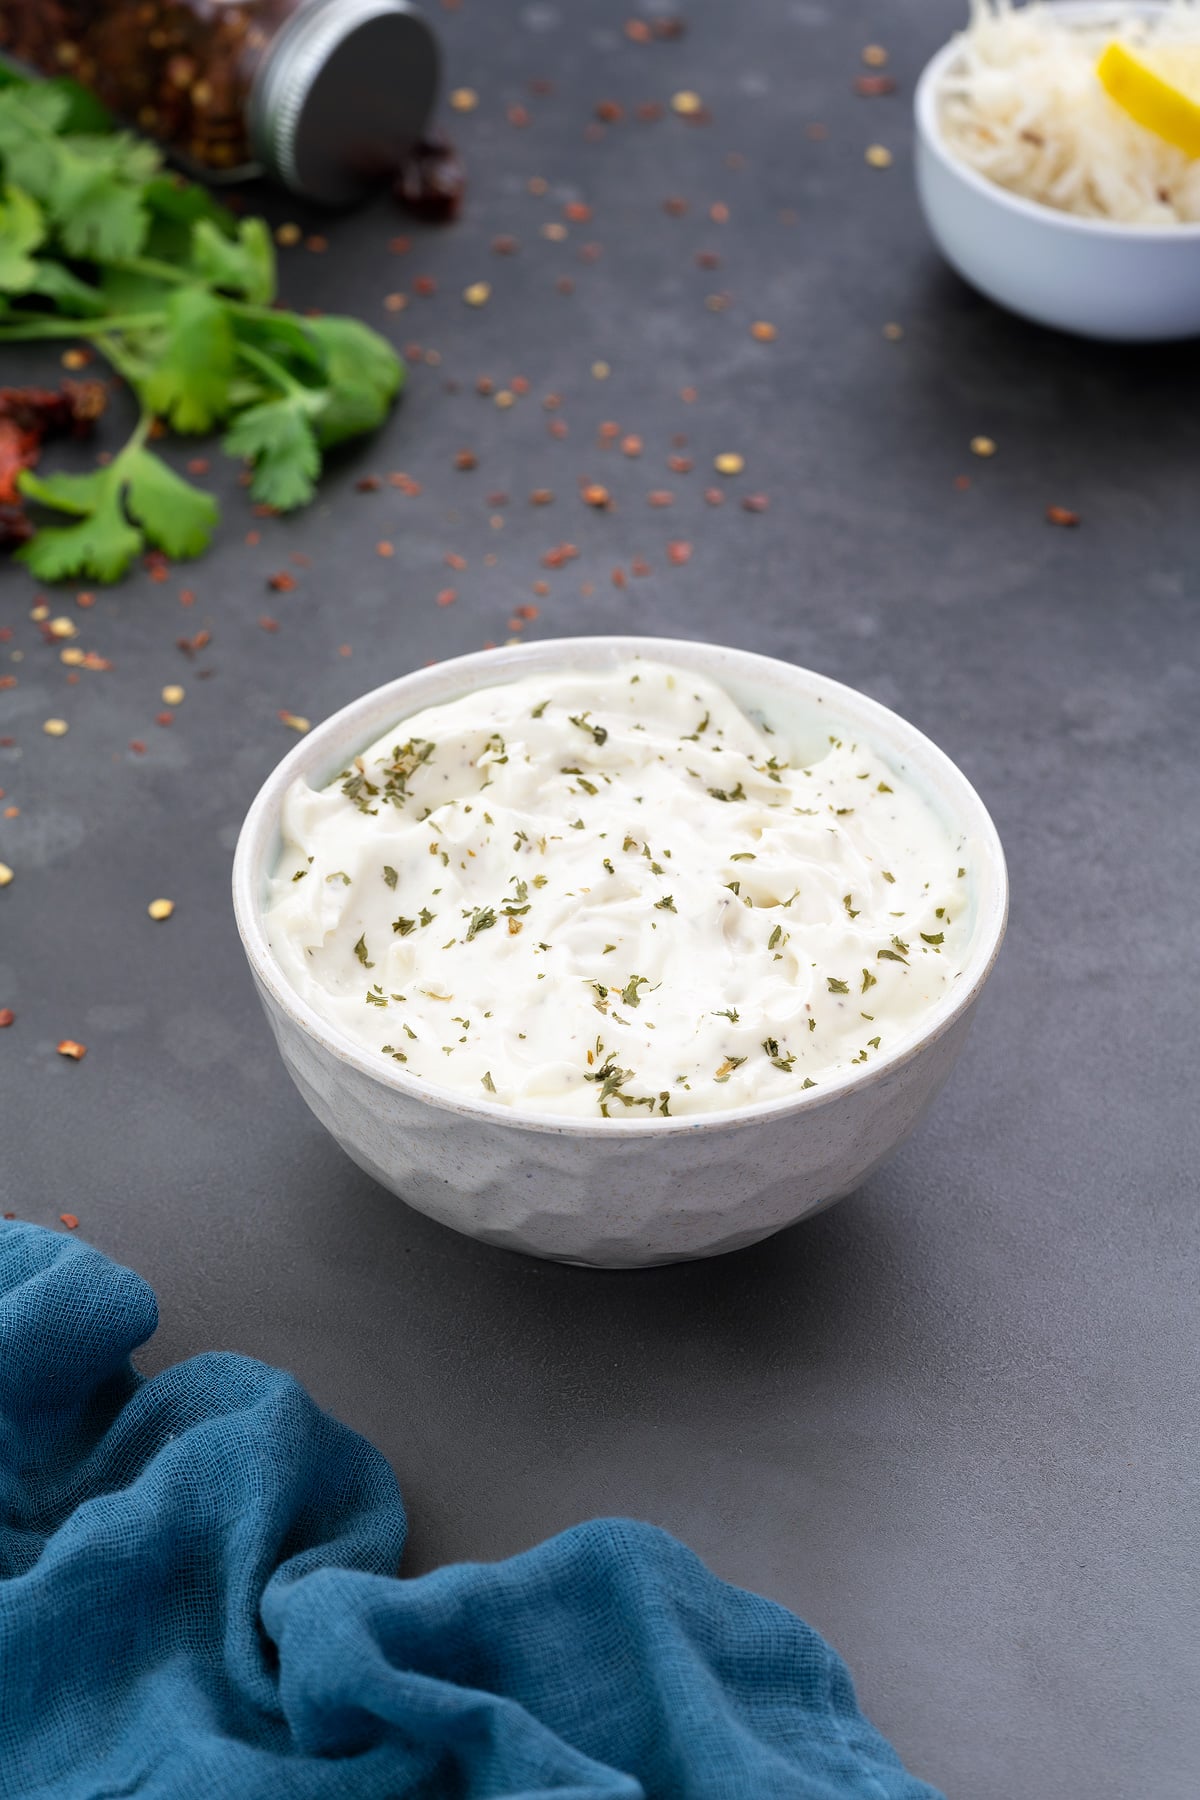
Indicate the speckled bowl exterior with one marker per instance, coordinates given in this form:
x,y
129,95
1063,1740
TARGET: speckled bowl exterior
x,y
616,1193
1091,277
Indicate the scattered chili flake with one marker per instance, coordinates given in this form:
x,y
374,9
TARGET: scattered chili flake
x,y
453,561
478,293
6,875
191,645
198,465
505,398
294,721
69,1048
425,285
755,503
541,497
63,628
7,1017
505,246
639,566
395,302
557,428
689,395
447,596
637,31
161,909
595,133
686,103
763,332
368,484
173,695
590,253
592,493
560,554
565,285
345,650
729,462
266,623
680,465
385,548
538,184
555,232
675,206
464,99
650,110
519,116
983,446
872,87
316,243
69,1219
399,246
631,445
578,211
609,112
679,552
398,479
164,718
528,611
1061,515
619,578
879,156
282,582
875,56
497,499
55,727
660,497
707,259
600,371
893,332
668,26
718,212
137,746
288,234
962,483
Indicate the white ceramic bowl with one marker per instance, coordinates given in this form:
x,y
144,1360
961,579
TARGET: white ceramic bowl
x,y
613,1193
1131,283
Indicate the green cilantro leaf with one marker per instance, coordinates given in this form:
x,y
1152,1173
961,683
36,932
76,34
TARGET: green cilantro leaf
x,y
175,516
103,543
277,436
242,265
22,229
190,382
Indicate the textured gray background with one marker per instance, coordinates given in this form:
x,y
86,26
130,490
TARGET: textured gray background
x,y
952,1422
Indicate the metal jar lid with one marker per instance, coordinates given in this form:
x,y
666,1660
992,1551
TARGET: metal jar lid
x,y
343,94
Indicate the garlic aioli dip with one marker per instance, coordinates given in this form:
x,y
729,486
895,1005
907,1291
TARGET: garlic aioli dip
x,y
611,896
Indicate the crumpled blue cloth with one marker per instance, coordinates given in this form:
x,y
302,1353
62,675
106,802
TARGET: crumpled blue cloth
x,y
198,1601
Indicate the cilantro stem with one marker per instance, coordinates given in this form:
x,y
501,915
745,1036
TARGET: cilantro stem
x,y
274,371
28,330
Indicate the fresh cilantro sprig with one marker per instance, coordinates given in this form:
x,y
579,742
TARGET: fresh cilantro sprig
x,y
98,242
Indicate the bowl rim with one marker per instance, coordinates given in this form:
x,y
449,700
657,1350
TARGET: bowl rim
x,y
342,734
929,131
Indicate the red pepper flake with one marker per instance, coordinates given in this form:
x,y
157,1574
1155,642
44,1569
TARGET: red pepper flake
x,y
528,611
466,459
253,538
577,211
552,402
590,253
560,554
519,116
187,597
317,244
540,86
609,112
541,497
8,681
69,1048
91,659
268,624
447,596
871,87
368,484
519,384
631,445
669,26
637,31
5,633
399,246
452,560
594,133
191,645
7,1017
10,1215
689,395
384,548
679,552
137,746
263,511
639,567
345,650
816,131
85,600
198,465
962,483
707,259
405,483
1062,515
587,589
282,582
541,589
648,111
557,428
425,285
164,718
755,503
497,499
592,493
675,206
608,430
516,625
565,285
619,579
69,1219
505,246
718,212
660,497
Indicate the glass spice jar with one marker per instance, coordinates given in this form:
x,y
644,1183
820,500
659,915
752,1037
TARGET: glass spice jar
x,y
325,96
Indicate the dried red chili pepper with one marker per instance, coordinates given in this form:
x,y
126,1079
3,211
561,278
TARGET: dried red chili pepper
x,y
28,417
432,184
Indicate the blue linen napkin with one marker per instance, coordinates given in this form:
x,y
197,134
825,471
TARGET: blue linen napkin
x,y
198,1601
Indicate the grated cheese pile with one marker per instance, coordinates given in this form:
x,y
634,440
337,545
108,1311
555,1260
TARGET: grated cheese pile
x,y
1023,105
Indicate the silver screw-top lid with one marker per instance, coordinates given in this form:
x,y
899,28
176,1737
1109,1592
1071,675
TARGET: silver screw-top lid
x,y
342,96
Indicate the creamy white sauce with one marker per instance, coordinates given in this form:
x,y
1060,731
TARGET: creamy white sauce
x,y
609,895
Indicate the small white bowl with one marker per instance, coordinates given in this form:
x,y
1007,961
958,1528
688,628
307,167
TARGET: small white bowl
x,y
1097,279
612,1193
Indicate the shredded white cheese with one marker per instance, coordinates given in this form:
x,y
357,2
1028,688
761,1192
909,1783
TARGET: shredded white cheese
x,y
1023,105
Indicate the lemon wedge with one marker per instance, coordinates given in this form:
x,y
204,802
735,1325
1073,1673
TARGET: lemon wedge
x,y
1158,88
